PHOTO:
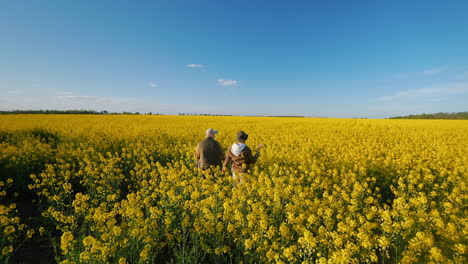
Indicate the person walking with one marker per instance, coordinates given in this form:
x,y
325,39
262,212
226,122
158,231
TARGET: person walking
x,y
209,152
241,157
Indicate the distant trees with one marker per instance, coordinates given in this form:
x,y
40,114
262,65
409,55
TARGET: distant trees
x,y
458,115
54,112
198,114
70,112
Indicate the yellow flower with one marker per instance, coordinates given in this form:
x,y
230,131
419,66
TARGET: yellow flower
x,y
144,254
248,244
117,230
9,229
460,248
289,253
7,250
88,241
284,230
436,254
65,241
30,233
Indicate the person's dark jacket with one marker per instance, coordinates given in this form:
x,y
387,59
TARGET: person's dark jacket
x,y
241,163
209,153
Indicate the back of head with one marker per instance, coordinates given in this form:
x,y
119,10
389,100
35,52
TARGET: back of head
x,y
242,136
211,132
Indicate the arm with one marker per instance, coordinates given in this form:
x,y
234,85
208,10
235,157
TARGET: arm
x,y
250,158
226,162
256,156
221,152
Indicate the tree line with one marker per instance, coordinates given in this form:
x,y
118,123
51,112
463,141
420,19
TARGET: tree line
x,y
201,114
458,115
72,112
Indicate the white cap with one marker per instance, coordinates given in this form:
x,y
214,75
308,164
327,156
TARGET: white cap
x,y
210,131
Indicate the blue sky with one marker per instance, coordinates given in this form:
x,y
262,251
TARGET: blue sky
x,y
346,59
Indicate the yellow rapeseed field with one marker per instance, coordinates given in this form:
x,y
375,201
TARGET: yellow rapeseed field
x,y
124,189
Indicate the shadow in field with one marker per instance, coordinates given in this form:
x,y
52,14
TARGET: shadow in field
x,y
38,250
19,166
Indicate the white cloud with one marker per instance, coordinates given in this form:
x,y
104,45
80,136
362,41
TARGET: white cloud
x,y
193,65
443,90
224,82
152,84
433,71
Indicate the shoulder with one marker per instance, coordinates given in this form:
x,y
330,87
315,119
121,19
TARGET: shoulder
x,y
247,149
229,153
202,143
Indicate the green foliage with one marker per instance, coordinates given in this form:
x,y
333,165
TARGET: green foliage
x,y
67,112
459,115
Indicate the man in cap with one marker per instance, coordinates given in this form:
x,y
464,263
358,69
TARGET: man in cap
x,y
241,156
209,152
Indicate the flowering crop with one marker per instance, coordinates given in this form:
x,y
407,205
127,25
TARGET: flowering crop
x,y
124,189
